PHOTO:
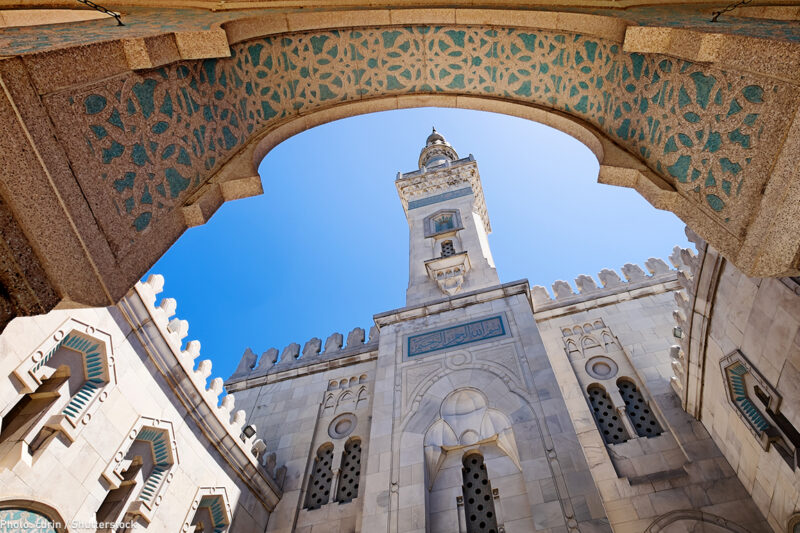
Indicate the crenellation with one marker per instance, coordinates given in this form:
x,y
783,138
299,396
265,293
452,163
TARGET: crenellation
x,y
192,351
562,407
176,330
656,266
562,290
214,390
312,347
635,278
609,278
268,358
585,283
247,362
333,343
355,337
204,370
312,351
227,404
374,334
675,258
633,272
540,296
290,353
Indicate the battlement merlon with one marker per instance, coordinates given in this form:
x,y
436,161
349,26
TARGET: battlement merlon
x,y
426,185
635,279
161,334
273,363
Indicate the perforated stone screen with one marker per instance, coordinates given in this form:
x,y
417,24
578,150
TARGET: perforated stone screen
x,y
319,486
606,416
478,502
350,472
639,412
448,249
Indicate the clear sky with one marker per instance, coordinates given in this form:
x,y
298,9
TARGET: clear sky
x,y
326,246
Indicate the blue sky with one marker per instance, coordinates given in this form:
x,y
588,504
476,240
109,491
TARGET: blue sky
x,y
326,246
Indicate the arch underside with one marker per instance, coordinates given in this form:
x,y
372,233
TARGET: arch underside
x,y
152,149
156,136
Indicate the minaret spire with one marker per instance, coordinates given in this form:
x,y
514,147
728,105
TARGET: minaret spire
x,y
443,200
437,151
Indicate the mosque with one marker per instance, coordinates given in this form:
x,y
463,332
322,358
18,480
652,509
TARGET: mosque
x,y
663,399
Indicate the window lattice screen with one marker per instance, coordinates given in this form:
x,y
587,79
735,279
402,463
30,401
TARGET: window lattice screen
x,y
448,249
606,416
319,486
350,472
639,412
478,502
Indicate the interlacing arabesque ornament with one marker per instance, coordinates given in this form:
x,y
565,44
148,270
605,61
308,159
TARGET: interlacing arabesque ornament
x,y
160,134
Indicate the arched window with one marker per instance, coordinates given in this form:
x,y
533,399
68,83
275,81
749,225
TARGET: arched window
x,y
478,498
139,473
210,512
319,486
448,249
349,471
639,412
32,517
61,388
605,415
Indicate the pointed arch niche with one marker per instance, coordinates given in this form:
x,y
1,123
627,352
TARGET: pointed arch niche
x,y
467,426
60,385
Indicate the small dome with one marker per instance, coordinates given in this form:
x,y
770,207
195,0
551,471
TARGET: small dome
x,y
437,151
435,138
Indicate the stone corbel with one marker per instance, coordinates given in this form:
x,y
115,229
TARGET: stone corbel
x,y
448,272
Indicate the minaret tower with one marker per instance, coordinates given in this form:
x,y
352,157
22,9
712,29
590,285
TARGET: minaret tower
x,y
448,225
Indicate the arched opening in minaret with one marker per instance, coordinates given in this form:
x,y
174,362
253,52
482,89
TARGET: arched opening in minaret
x,y
326,246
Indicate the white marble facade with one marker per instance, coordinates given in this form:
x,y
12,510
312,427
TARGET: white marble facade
x,y
481,406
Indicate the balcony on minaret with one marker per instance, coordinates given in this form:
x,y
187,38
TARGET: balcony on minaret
x,y
448,271
448,223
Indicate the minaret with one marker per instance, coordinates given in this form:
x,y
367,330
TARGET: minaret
x,y
448,225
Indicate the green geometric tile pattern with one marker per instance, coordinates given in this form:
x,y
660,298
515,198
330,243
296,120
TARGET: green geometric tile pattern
x,y
25,521
160,134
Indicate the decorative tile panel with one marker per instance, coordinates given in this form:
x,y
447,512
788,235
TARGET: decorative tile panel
x,y
441,339
413,204
142,143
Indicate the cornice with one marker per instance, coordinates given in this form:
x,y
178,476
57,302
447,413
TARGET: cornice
x,y
425,183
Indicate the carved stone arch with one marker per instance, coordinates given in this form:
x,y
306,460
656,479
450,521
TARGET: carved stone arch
x,y
660,524
160,437
80,391
362,396
646,148
33,512
328,403
345,397
588,341
472,374
572,348
609,340
467,420
214,503
793,524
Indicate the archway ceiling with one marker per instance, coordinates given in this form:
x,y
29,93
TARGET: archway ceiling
x,y
161,126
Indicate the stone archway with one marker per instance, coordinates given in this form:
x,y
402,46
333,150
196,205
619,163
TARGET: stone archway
x,y
156,130
684,517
